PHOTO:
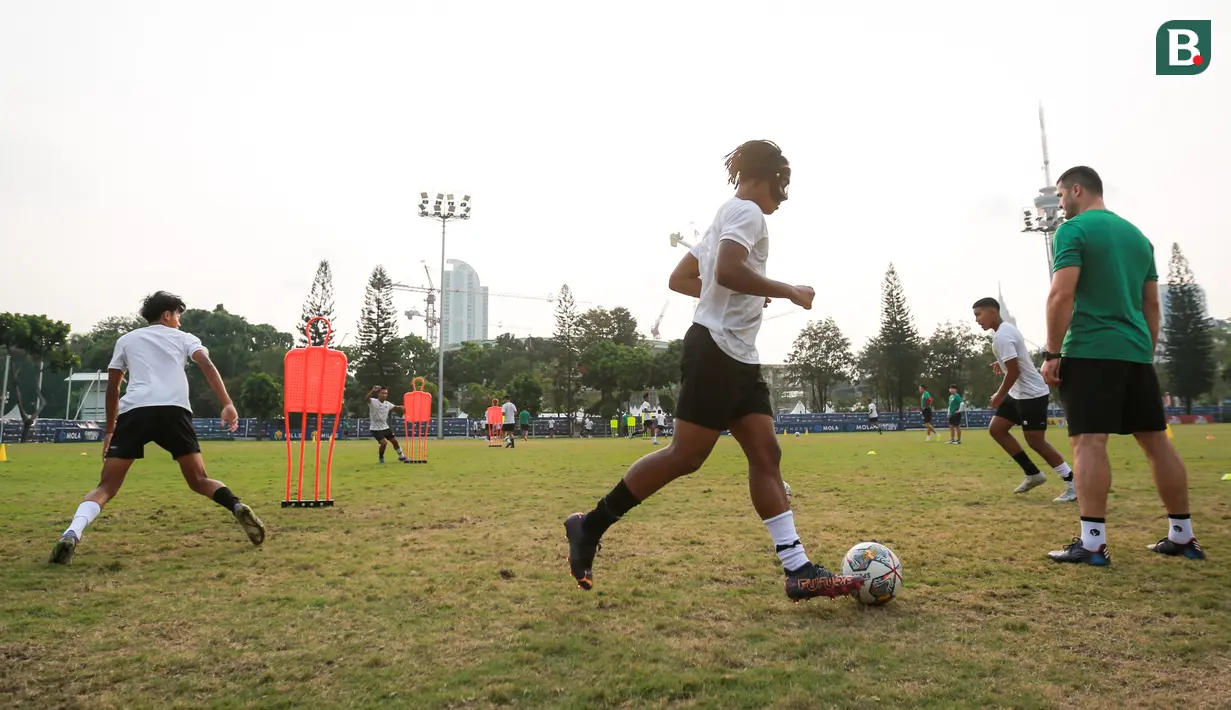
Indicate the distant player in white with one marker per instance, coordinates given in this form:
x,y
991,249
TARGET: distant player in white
x,y
874,417
379,408
510,424
645,411
660,422
1022,401
155,408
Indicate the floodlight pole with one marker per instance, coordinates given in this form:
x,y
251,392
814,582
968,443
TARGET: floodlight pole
x,y
1048,215
444,215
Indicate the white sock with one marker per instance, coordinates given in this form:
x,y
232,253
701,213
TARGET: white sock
x,y
1181,531
1064,472
86,512
656,438
786,541
1093,533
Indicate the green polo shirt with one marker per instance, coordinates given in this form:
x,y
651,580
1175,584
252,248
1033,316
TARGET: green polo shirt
x,y
524,418
1117,262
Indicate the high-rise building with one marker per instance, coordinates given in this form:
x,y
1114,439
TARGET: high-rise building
x,y
463,308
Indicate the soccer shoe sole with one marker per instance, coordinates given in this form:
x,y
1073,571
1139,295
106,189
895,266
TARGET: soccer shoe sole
x,y
64,550
572,527
251,524
1030,484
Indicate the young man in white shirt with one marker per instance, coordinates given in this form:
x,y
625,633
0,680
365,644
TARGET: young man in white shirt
x,y
660,421
1020,401
721,386
510,422
874,421
646,411
155,408
379,408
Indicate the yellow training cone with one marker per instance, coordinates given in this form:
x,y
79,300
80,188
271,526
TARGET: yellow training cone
x,y
1227,477
4,454
871,453
1169,434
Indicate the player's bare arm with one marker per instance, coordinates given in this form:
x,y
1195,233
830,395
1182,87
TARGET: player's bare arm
x,y
1059,316
1012,371
1151,310
229,416
686,278
732,271
114,379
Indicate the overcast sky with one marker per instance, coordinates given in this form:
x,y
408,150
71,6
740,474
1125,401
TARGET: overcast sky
x,y
221,149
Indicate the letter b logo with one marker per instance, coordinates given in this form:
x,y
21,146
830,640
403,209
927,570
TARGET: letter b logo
x,y
1182,47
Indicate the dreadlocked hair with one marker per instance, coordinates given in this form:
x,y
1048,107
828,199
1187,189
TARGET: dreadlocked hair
x,y
759,159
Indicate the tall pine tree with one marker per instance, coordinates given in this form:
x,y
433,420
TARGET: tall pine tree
x,y
900,355
1188,342
319,304
380,350
567,338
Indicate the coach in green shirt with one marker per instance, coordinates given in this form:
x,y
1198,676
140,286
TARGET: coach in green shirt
x,y
1102,328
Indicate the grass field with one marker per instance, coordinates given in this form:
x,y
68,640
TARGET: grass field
x,y
446,586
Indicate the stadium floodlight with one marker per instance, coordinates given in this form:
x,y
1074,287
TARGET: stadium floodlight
x,y
1045,219
439,211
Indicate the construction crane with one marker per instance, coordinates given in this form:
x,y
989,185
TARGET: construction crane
x,y
430,316
659,321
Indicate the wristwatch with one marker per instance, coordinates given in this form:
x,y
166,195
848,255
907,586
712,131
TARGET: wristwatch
x,y
1050,356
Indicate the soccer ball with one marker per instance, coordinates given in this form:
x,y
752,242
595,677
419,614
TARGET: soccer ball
x,y
796,433
878,567
787,486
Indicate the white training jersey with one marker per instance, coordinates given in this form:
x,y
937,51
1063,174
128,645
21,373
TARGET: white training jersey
x,y
733,319
1009,344
510,412
645,412
154,358
660,418
872,410
378,412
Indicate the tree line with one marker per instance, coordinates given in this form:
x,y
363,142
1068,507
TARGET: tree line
x,y
891,365
596,361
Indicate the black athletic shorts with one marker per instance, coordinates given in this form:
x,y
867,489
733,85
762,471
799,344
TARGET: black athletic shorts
x,y
1110,397
927,415
955,419
508,428
1029,414
872,421
383,434
716,389
170,427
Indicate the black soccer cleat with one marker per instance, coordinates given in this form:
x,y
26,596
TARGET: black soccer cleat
x,y
813,580
581,551
65,548
1074,552
1191,549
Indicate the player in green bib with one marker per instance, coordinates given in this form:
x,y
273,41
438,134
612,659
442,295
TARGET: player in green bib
x,y
955,416
925,406
524,420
